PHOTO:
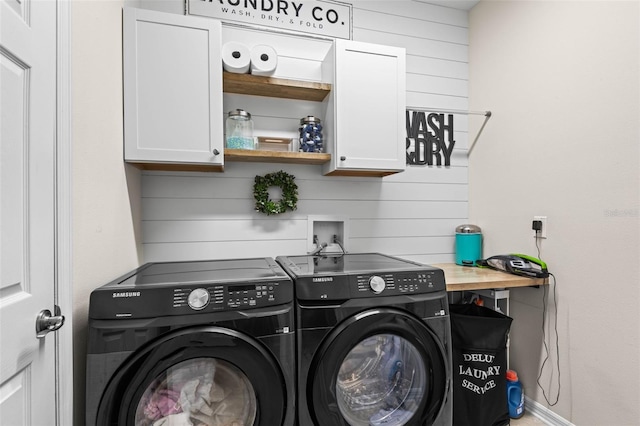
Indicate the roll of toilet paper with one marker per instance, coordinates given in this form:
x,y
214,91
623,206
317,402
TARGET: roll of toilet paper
x,y
236,57
264,60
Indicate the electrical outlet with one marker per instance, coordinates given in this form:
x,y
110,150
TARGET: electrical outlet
x,y
543,232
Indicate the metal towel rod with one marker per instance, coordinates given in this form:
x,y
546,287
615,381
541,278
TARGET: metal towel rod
x,y
487,115
449,111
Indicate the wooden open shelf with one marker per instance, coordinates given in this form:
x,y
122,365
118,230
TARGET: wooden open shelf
x,y
247,155
276,156
247,84
256,85
179,167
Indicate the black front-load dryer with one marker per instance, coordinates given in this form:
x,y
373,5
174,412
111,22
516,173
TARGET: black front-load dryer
x,y
198,343
374,341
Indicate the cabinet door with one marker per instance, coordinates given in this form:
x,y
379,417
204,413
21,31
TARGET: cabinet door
x,y
172,88
370,98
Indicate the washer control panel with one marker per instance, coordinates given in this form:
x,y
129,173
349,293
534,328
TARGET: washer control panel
x,y
160,289
189,299
216,297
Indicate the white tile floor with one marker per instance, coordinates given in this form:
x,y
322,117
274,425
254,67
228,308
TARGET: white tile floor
x,y
527,420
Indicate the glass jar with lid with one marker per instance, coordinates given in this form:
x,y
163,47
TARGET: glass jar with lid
x,y
239,130
311,139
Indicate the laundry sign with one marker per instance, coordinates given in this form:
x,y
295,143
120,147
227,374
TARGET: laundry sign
x,y
317,17
429,138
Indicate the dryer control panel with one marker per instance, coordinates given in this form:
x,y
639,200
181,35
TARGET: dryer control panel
x,y
395,283
376,284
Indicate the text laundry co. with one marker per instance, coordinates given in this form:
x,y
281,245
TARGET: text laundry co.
x,y
313,16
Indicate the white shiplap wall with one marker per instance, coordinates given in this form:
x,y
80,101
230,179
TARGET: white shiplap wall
x,y
411,214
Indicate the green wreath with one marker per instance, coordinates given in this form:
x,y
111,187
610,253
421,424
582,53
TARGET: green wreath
x,y
289,193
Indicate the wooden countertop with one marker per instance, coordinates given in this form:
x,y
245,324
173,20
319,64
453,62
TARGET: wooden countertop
x,y
461,278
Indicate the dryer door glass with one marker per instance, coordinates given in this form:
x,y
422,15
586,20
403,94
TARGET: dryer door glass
x,y
205,391
381,382
381,366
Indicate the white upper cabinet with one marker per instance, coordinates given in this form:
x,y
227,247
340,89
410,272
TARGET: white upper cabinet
x,y
172,89
366,114
174,103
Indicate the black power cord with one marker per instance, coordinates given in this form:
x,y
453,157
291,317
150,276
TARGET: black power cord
x,y
544,341
537,226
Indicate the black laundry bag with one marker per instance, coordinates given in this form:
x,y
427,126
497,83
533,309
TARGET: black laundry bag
x,y
479,346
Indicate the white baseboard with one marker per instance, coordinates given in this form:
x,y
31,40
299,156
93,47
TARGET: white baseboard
x,y
544,414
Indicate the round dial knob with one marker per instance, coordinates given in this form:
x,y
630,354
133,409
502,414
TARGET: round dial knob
x,y
377,284
198,298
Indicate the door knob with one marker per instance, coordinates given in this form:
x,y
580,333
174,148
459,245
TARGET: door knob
x,y
343,158
215,151
45,322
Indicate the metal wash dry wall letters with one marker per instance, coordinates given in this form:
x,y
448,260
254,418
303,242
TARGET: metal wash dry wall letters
x,y
429,138
325,18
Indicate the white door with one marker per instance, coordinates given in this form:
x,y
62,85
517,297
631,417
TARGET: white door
x,y
27,219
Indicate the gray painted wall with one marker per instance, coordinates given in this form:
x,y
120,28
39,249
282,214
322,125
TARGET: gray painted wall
x,y
562,80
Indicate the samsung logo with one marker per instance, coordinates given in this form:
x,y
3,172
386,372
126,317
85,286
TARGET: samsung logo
x,y
322,279
126,294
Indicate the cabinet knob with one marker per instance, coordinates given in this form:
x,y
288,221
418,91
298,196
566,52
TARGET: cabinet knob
x,y
215,151
343,158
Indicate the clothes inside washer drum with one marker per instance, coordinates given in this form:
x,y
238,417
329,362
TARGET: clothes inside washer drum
x,y
198,392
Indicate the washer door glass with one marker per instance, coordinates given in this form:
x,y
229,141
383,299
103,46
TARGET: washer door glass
x,y
381,381
199,391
